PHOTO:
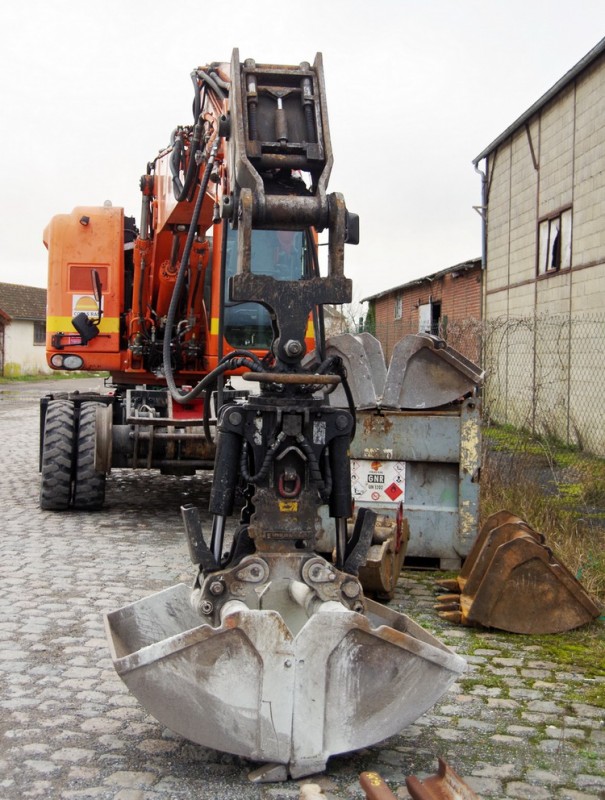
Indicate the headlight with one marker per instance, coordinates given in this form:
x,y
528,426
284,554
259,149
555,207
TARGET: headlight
x,y
59,361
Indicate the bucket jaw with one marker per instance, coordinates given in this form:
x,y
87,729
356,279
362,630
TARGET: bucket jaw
x,y
254,687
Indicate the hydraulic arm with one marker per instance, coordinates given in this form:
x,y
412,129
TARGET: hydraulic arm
x,y
276,654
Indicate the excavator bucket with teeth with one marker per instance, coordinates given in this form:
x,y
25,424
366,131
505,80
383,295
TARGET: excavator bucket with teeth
x,y
512,581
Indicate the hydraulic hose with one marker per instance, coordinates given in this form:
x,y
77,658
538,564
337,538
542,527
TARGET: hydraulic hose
x,y
212,83
178,287
318,313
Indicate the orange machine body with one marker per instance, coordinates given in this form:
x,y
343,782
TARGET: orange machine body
x,y
137,282
99,249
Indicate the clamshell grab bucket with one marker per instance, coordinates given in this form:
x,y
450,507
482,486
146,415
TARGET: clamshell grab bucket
x,y
253,688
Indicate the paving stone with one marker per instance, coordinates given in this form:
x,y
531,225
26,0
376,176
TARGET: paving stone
x,y
527,790
485,787
564,733
71,730
520,730
497,702
590,781
543,776
583,710
509,740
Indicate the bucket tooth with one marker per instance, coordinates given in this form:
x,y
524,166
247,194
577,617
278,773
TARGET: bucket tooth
x,y
449,584
252,688
445,785
449,598
512,581
494,521
453,616
453,606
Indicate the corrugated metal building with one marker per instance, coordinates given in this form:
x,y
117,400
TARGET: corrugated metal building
x,y
544,256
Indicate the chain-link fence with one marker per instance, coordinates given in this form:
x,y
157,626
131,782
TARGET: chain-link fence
x,y
544,374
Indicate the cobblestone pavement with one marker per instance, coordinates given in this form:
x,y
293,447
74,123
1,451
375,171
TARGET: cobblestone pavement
x,y
516,725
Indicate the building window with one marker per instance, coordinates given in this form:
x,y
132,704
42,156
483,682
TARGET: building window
x,y
554,243
429,317
399,307
39,332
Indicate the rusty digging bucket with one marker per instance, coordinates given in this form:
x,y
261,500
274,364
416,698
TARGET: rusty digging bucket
x,y
445,785
512,581
266,686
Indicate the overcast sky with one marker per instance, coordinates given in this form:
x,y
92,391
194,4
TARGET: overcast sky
x,y
416,89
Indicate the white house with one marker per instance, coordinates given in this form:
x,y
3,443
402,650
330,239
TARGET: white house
x,y
22,330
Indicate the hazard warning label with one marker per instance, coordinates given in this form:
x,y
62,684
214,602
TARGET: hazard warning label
x,y
377,481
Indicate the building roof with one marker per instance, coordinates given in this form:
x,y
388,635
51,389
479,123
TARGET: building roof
x,y
569,76
22,302
464,266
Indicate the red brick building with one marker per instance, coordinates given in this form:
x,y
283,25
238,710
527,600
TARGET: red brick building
x,y
446,303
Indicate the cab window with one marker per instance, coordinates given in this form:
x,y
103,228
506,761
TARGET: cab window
x,y
280,254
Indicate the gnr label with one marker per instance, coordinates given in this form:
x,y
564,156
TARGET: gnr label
x,y
377,481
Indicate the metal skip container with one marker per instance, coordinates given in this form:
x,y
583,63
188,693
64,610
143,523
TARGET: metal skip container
x,y
418,439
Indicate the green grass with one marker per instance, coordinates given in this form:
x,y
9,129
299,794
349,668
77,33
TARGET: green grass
x,y
558,490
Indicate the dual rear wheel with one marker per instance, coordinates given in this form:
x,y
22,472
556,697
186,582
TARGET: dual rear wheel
x,y
69,478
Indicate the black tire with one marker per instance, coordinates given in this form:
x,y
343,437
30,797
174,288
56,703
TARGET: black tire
x,y
57,456
89,485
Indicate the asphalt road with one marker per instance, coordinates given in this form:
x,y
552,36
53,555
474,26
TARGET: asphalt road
x,y
513,727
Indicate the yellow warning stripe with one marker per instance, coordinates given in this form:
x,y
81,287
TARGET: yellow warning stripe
x,y
63,324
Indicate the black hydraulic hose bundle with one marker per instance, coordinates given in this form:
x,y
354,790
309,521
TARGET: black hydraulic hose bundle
x,y
182,191
178,288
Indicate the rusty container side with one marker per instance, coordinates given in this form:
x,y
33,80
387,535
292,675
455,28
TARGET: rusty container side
x,y
430,461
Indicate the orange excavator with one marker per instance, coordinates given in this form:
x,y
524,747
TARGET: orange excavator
x,y
275,654
152,306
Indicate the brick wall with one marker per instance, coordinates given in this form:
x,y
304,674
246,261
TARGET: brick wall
x,y
458,291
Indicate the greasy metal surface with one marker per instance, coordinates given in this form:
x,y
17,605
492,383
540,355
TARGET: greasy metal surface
x,y
291,378
380,573
445,785
363,359
249,687
515,583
